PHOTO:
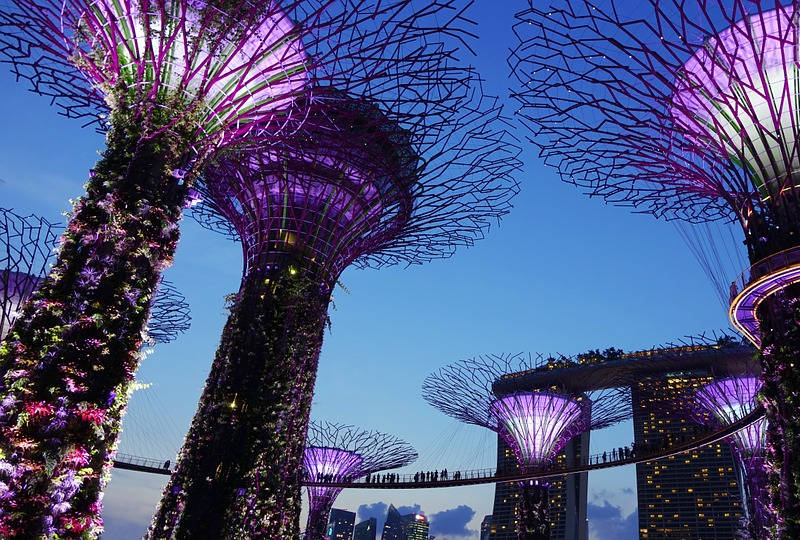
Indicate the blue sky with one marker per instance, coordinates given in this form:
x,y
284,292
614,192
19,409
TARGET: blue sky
x,y
563,273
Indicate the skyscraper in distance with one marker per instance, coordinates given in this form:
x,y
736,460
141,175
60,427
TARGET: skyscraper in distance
x,y
340,525
411,526
366,530
418,528
486,527
690,495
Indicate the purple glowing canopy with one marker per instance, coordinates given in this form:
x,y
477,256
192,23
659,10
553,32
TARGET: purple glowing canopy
x,y
230,74
331,465
536,422
682,109
347,452
336,189
731,399
739,94
536,425
339,453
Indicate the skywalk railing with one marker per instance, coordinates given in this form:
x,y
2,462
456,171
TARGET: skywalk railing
x,y
448,478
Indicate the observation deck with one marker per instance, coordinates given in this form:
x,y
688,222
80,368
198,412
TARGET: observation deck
x,y
762,280
631,367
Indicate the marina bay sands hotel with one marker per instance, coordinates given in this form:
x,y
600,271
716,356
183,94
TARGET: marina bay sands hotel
x,y
690,495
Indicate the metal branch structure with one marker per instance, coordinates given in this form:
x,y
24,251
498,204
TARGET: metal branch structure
x,y
340,453
689,111
173,81
170,315
491,391
27,244
402,169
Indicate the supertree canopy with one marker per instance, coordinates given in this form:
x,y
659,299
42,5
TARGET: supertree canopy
x,y
537,424
494,392
172,81
687,110
340,453
404,173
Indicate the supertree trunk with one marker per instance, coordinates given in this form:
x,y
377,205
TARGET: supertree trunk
x,y
534,520
238,474
779,325
318,512
755,496
68,362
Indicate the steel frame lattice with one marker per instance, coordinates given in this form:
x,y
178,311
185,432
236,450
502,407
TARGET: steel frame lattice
x,y
356,185
170,315
676,108
339,453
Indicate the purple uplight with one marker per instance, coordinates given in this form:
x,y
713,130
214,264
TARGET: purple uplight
x,y
738,94
536,425
15,289
730,400
331,465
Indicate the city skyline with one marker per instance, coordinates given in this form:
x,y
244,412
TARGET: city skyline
x,y
551,299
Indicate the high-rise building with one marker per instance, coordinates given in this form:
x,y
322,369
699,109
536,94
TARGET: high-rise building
x,y
418,528
411,526
486,527
568,496
690,495
366,530
394,526
340,525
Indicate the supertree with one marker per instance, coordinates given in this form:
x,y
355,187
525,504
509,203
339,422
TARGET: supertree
x,y
341,453
172,81
495,392
722,402
28,245
687,110
396,177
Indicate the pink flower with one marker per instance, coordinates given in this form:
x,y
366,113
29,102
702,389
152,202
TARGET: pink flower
x,y
39,408
72,387
77,457
93,415
73,524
